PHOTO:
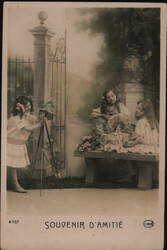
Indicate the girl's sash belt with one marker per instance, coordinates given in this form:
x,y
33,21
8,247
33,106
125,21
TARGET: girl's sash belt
x,y
15,141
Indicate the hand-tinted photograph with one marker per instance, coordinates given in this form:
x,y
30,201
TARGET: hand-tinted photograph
x,y
83,117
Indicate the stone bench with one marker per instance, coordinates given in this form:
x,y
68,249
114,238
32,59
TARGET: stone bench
x,y
146,162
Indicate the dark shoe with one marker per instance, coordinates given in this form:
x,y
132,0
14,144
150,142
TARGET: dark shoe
x,y
19,189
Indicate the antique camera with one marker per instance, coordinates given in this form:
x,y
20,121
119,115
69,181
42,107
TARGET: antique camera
x,y
46,114
47,110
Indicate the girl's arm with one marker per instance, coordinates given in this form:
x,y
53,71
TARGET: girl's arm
x,y
95,113
31,128
36,126
132,143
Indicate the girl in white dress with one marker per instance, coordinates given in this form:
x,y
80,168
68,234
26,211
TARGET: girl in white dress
x,y
20,126
147,126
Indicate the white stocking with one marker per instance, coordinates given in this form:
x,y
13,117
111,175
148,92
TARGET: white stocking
x,y
14,178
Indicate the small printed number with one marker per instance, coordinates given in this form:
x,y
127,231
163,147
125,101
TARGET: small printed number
x,y
14,221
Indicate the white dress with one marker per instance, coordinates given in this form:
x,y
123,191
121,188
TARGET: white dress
x,y
17,155
150,136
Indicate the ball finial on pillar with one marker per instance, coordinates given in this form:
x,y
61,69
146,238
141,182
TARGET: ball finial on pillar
x,y
42,16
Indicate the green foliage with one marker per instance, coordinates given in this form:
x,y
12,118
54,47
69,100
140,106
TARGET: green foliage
x,y
55,155
96,143
90,143
126,31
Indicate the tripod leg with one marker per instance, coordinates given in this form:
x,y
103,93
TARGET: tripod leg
x,y
46,127
41,163
50,144
38,144
41,173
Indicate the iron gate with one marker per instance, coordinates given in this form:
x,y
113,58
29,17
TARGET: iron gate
x,y
58,97
20,79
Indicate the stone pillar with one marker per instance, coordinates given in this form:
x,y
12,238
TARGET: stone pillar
x,y
42,36
131,90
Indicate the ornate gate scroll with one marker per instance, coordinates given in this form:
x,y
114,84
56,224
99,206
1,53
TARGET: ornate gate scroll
x,y
58,97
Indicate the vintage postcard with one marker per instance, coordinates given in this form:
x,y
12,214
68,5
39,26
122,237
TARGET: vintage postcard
x,y
83,126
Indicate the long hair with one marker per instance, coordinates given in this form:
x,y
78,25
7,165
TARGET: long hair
x,y
104,102
149,113
23,100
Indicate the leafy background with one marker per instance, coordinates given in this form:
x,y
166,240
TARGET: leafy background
x,y
126,32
